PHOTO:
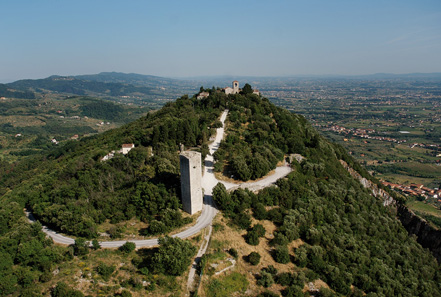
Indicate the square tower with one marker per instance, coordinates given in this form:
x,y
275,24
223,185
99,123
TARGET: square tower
x,y
191,177
235,87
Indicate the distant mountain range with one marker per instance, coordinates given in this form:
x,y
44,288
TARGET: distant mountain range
x,y
134,88
155,90
132,78
72,85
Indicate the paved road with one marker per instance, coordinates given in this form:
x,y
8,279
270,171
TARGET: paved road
x,y
208,211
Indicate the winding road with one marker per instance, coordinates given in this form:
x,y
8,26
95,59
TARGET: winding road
x,y
209,211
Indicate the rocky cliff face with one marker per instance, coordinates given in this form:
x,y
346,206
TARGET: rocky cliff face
x,y
427,236
376,191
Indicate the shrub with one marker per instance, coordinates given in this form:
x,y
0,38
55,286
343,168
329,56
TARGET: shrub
x,y
275,215
116,232
259,212
157,227
301,256
46,276
127,247
325,292
279,239
270,269
80,247
95,244
63,290
105,270
252,238
259,229
125,293
293,291
284,279
281,254
144,270
253,258
242,220
265,280
233,252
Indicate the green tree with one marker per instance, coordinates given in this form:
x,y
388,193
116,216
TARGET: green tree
x,y
105,270
259,211
95,244
173,256
247,89
252,238
259,229
281,254
81,247
253,258
233,252
268,294
243,220
265,279
125,293
127,247
284,279
294,291
222,198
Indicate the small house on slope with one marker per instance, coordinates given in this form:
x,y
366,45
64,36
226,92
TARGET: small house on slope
x,y
126,147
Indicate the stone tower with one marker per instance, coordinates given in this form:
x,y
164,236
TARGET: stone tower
x,y
191,177
235,87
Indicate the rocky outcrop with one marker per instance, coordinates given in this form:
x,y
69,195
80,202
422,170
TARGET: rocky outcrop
x,y
427,236
376,191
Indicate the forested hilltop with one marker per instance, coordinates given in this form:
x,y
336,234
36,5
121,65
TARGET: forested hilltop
x,y
343,236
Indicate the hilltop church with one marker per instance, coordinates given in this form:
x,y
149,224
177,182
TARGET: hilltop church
x,y
234,90
228,90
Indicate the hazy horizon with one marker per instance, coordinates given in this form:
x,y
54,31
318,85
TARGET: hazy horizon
x,y
235,38
222,76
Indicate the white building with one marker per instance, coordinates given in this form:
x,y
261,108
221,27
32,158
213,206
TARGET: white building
x,y
203,95
126,147
234,90
108,156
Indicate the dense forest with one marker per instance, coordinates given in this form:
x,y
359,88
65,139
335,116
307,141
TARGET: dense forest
x,y
71,190
78,86
77,190
350,240
102,110
259,135
9,92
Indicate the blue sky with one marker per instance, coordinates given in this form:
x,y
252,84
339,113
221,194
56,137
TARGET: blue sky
x,y
196,38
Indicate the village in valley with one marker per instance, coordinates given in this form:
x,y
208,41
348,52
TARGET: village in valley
x,y
416,190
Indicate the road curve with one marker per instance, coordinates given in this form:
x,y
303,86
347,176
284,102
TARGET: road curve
x,y
208,211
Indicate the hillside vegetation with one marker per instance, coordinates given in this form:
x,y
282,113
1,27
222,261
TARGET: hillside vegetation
x,y
28,126
139,89
77,86
9,92
347,238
